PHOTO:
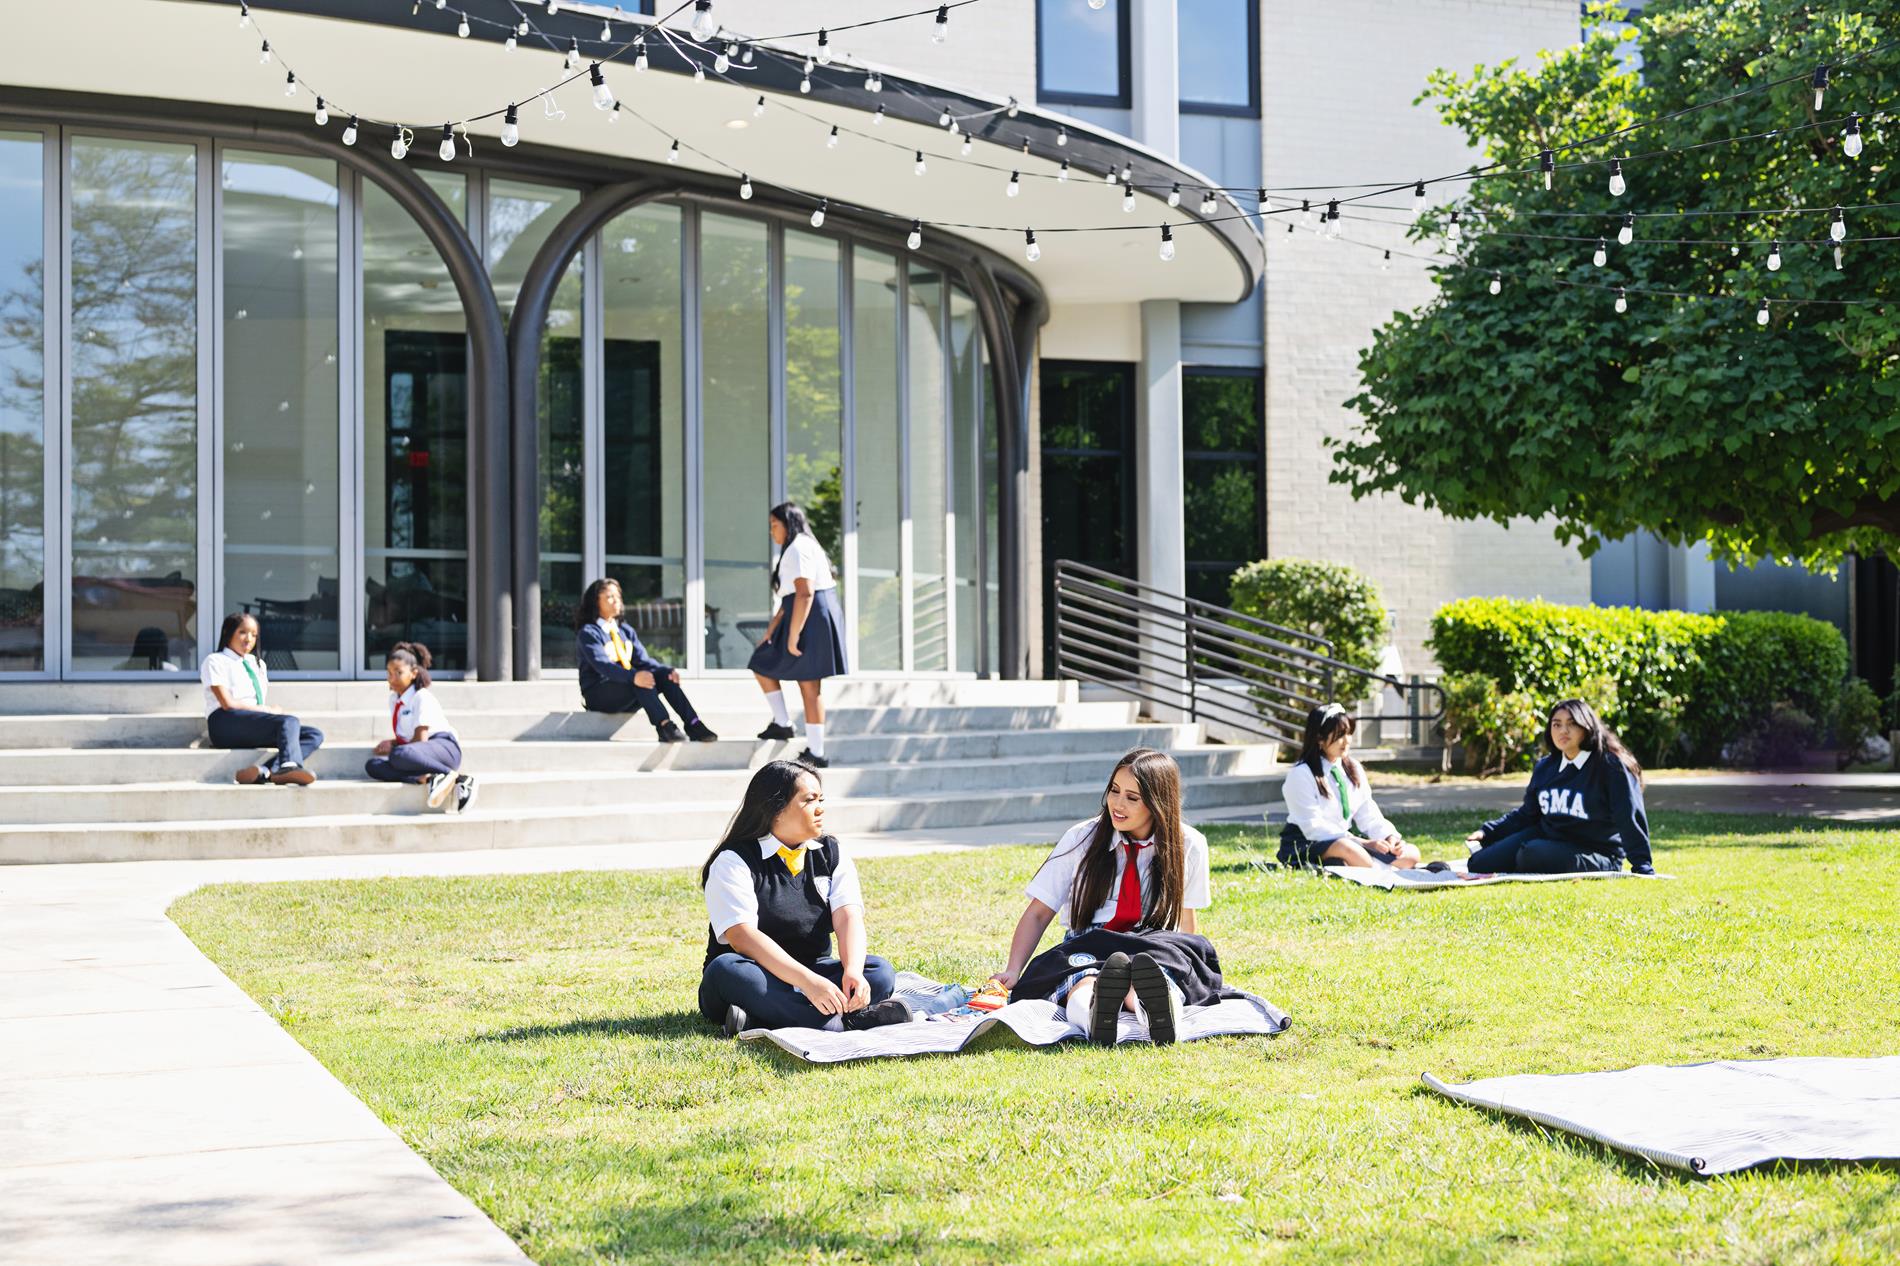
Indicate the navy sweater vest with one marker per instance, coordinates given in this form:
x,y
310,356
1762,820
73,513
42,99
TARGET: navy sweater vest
x,y
1598,808
791,909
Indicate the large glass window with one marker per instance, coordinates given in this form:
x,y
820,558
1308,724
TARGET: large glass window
x,y
876,360
134,364
1088,488
814,411
642,415
990,471
965,480
415,436
930,595
1224,445
23,404
736,414
1219,43
280,443
1082,53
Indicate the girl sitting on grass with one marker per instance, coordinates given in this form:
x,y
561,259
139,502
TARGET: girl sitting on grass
x,y
1127,886
1327,794
1583,809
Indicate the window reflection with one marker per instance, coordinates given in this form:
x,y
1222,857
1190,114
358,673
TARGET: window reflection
x,y
737,416
877,411
22,404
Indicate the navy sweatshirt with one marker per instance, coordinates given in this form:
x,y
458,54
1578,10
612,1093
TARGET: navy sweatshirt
x,y
597,662
1598,807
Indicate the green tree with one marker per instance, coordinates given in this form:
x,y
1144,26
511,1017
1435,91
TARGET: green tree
x,y
1681,416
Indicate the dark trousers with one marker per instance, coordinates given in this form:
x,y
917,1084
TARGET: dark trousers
x,y
1526,853
769,1003
241,727
414,762
624,696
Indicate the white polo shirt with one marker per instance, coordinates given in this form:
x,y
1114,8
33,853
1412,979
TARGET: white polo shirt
x,y
731,898
226,668
417,706
802,558
1323,819
1055,882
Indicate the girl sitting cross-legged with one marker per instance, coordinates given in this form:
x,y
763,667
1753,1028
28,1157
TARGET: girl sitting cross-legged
x,y
777,889
1583,810
422,746
1327,794
1127,886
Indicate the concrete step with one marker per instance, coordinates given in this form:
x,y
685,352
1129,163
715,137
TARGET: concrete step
x,y
488,827
92,730
69,766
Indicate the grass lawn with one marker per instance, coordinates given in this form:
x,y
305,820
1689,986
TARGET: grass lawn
x,y
535,1038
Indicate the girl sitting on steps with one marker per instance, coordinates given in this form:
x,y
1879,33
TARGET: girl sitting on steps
x,y
422,746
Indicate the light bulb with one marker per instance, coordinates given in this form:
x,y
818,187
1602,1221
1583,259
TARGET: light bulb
x,y
1547,161
613,115
1167,243
745,56
916,237
263,55
511,127
1062,136
554,7
824,47
745,186
1015,185
446,150
722,62
1128,200
1063,175
1454,230
1032,251
1774,258
876,82
349,131
1602,254
699,75
831,142
603,95
878,118
461,28
941,30
804,85
399,146
521,27
1617,183
758,108
1011,109
290,85
1174,195
1332,218
1836,230
1840,258
1497,283
1820,85
509,43
1208,203
1110,176
573,57
1128,172
1418,199
818,216
918,167
606,31
968,144
1761,317
943,117
1622,300
1306,213
703,24
244,15
1627,234
1850,143
640,62
1098,4
1385,265
441,4
323,120
673,152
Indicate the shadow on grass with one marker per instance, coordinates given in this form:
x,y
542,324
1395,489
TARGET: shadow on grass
x,y
667,1024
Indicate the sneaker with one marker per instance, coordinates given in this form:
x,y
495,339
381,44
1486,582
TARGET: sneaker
x,y
252,775
879,1014
1437,868
697,731
667,732
816,762
1157,998
1111,986
464,793
777,731
295,775
440,785
736,1022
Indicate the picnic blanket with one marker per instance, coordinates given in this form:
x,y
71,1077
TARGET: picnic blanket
x,y
1379,875
1032,1022
1714,1118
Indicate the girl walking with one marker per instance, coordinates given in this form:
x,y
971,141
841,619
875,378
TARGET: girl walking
x,y
805,640
1327,795
1127,886
237,716
422,746
777,890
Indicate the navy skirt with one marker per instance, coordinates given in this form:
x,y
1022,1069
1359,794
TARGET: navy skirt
x,y
820,646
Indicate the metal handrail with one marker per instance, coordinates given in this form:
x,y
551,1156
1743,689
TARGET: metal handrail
x,y
1207,661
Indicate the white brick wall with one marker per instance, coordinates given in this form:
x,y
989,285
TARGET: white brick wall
x,y
1339,79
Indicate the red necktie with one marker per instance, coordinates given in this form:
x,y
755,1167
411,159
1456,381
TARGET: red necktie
x,y
395,714
1128,900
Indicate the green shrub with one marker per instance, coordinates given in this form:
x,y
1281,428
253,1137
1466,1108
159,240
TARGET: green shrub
x,y
1856,716
1497,728
1755,660
1890,711
1779,740
1327,600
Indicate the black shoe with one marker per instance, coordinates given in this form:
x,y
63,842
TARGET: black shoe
x,y
879,1014
777,731
464,793
667,732
736,1022
816,762
696,730
1437,867
1111,986
1156,998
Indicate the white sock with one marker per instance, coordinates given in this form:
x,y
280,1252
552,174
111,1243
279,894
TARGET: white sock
x,y
815,737
1081,1004
775,700
834,1024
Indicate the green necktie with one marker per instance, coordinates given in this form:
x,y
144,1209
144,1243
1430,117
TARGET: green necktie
x,y
256,686
1345,799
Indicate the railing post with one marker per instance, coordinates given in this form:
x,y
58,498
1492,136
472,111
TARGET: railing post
x,y
1415,706
1193,694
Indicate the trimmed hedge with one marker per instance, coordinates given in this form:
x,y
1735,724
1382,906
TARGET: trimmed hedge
x,y
1329,600
1688,685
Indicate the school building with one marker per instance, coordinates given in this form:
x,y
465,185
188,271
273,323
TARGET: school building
x,y
254,361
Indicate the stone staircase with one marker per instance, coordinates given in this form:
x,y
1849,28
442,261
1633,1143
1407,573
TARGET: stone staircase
x,y
121,771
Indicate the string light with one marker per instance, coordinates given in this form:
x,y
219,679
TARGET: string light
x,y
1838,229
613,115
831,142
943,118
1385,265
606,31
941,31
1761,317
1627,234
511,127
1332,218
746,56
1167,242
1110,176
758,107
1547,163
673,152
704,25
722,62
918,167
1098,4
446,150
244,14
640,62
1208,205
554,7
263,56
1602,254
1840,258
399,147
1850,143
824,47
1030,249
745,187
1062,135
1820,84
1622,300
804,84
916,237
290,85
1306,213
1128,198
323,119
603,95
1774,258
1015,185
1418,199
509,43
1174,195
1617,183
875,83
461,28
818,216
1063,175
573,57
1128,172
1497,283
1454,230
878,118
349,131
1012,108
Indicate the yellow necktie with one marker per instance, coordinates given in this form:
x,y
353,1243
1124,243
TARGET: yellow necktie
x,y
794,858
621,650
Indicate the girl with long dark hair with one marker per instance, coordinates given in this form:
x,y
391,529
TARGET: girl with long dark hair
x,y
618,675
236,688
805,640
1583,810
422,746
1127,886
1327,795
777,890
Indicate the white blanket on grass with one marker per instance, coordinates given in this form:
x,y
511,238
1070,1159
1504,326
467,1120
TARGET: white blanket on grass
x,y
1379,875
1032,1022
1718,1117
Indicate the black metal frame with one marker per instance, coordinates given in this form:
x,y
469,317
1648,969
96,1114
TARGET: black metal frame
x,y
1124,66
1189,456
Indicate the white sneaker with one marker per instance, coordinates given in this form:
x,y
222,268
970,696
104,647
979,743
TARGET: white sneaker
x,y
440,785
464,793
